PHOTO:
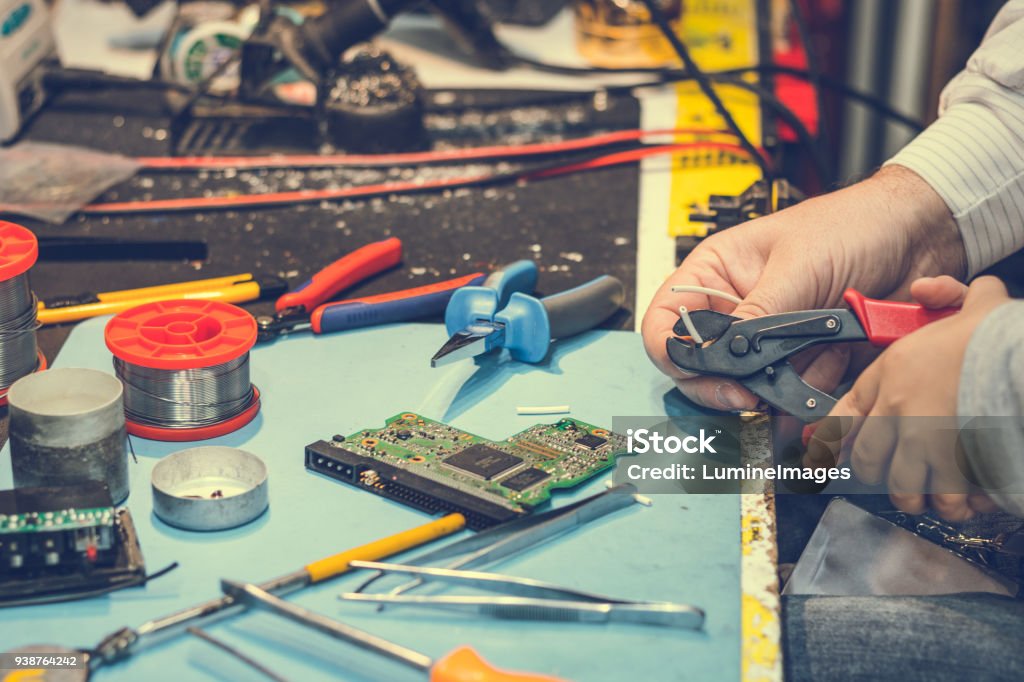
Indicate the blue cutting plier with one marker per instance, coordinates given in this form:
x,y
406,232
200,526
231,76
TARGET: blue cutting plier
x,y
501,314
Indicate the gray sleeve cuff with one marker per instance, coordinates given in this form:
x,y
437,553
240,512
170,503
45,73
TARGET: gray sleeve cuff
x,y
991,403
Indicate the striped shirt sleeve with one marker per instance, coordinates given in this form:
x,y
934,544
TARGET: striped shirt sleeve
x,y
973,155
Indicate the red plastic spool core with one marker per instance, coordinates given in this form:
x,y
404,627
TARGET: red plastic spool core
x,y
19,250
185,334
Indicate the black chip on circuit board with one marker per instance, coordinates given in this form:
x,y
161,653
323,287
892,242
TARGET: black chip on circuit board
x,y
591,442
525,479
482,461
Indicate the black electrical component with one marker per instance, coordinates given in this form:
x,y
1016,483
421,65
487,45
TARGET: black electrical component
x,y
319,42
411,489
374,106
725,211
67,541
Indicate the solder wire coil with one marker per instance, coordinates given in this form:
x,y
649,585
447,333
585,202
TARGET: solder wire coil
x,y
185,368
19,352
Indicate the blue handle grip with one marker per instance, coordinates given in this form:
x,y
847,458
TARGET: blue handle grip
x,y
518,276
472,304
335,317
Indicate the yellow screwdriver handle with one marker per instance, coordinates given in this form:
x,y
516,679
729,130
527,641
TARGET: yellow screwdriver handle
x,y
466,665
385,547
235,293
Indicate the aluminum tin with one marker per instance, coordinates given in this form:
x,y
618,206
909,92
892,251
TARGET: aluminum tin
x,y
210,488
67,426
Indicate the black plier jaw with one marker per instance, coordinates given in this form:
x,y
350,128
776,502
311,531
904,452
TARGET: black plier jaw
x,y
755,352
269,327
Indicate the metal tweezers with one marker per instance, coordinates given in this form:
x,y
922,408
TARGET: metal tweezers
x,y
508,539
530,599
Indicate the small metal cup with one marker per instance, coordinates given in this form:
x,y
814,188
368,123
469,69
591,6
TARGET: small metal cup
x,y
67,426
212,487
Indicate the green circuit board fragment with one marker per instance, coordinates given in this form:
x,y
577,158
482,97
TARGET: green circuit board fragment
x,y
518,473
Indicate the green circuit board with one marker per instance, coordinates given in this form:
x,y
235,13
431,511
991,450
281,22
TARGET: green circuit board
x,y
54,521
432,460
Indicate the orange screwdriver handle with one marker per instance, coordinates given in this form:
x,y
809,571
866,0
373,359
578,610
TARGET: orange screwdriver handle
x,y
465,665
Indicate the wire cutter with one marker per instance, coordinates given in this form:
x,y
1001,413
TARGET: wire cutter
x,y
756,352
501,314
305,307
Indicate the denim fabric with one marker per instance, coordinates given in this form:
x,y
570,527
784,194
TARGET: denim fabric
x,y
950,637
936,638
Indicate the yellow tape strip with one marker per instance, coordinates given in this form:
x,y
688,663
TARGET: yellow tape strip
x,y
727,32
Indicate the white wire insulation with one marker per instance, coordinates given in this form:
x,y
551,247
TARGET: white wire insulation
x,y
548,409
638,498
684,315
707,291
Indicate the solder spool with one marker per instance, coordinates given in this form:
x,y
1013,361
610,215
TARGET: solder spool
x,y
19,353
185,368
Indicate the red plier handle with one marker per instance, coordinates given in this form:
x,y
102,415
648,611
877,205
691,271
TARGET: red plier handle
x,y
884,322
343,273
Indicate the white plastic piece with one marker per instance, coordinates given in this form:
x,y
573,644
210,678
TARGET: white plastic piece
x,y
638,498
543,409
684,315
707,291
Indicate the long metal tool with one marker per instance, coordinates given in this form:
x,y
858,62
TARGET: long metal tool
x,y
531,599
126,641
489,546
461,665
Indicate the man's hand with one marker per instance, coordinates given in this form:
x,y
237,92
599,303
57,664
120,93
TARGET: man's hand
x,y
884,418
876,236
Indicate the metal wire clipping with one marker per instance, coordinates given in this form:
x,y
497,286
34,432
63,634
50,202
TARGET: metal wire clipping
x,y
185,398
18,325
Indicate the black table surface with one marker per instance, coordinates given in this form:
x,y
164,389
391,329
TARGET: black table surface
x,y
575,227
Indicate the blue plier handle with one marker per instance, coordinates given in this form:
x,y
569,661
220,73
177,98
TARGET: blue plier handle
x,y
470,305
502,314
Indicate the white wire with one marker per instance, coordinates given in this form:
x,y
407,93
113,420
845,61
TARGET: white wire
x,y
691,329
684,314
707,291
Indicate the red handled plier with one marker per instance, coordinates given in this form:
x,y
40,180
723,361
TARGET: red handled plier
x,y
305,307
756,352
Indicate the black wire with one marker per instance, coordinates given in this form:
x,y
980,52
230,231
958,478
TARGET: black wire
x,y
89,78
706,86
237,653
780,109
87,594
814,72
202,89
872,101
667,75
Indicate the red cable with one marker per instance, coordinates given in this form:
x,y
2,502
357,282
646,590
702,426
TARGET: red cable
x,y
409,158
307,196
629,156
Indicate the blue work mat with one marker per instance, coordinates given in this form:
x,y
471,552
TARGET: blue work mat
x,y
684,548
